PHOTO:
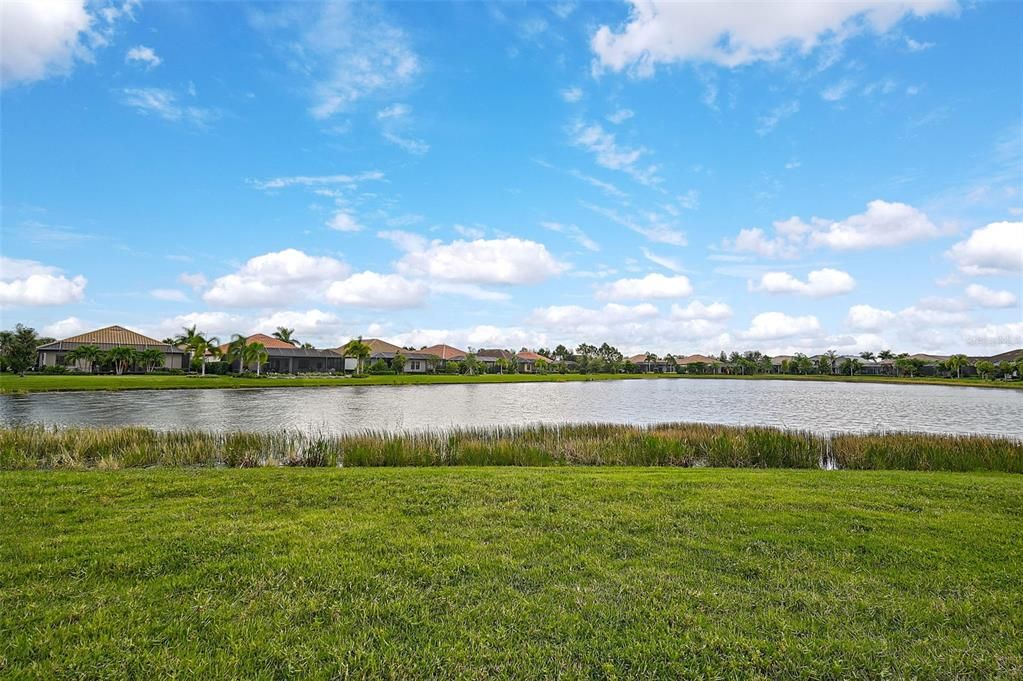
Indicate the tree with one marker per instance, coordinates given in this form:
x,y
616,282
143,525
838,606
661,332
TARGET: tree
x,y
84,356
850,366
470,365
956,363
150,359
19,348
398,363
541,365
185,338
256,352
122,358
359,350
868,356
832,358
802,363
672,362
286,335
985,368
885,356
236,351
200,345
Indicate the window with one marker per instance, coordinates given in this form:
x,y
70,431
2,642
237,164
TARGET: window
x,y
415,365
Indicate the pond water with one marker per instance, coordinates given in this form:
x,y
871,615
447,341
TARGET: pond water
x,y
821,407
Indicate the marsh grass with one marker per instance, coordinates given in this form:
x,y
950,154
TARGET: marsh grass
x,y
674,444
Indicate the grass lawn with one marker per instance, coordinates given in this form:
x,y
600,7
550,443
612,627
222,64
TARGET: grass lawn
x,y
510,572
11,383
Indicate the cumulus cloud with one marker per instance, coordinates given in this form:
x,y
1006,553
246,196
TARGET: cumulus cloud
x,y
40,40
775,325
819,283
370,289
994,249
344,221
313,326
697,310
868,318
651,287
143,55
734,34
31,283
883,224
986,297
194,279
281,277
64,328
483,261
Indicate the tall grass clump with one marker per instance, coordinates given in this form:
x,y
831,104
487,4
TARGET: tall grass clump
x,y
674,444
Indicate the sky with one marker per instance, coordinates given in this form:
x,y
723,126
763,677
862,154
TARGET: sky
x,y
686,178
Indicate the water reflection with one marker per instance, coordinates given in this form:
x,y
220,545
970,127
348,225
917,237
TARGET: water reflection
x,y
821,407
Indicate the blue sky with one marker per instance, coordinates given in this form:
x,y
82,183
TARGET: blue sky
x,y
669,177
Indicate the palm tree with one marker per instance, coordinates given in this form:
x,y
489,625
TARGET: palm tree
x,y
985,368
832,358
851,365
122,358
256,352
200,346
84,355
150,359
286,335
886,355
186,338
956,363
868,356
236,351
359,350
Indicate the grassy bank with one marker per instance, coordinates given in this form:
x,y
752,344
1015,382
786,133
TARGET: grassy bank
x,y
510,572
10,383
681,445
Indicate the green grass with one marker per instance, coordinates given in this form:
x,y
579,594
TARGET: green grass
x,y
11,383
510,573
671,444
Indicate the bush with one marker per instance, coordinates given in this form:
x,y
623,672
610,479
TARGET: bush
x,y
57,369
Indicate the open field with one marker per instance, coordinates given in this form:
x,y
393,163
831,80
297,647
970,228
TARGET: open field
x,y
511,572
11,383
671,444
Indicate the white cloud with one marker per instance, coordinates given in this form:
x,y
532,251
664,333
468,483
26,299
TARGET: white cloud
x,y
819,283
43,39
775,325
574,233
347,51
370,289
394,111
65,328
412,146
620,116
577,317
284,277
31,283
406,241
917,46
770,120
318,180
883,224
609,154
986,297
606,187
343,221
572,94
473,291
651,287
996,337
868,318
194,279
483,261
662,260
996,248
697,310
169,294
734,34
144,55
323,329
651,225
164,104
838,91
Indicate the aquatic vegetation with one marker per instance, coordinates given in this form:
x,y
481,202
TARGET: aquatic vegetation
x,y
673,444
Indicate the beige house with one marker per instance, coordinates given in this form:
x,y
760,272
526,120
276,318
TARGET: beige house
x,y
53,354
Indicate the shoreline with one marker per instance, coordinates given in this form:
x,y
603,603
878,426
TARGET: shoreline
x,y
12,385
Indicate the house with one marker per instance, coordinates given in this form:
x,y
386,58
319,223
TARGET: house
x,y
53,354
700,364
659,365
445,353
416,362
527,361
285,358
489,358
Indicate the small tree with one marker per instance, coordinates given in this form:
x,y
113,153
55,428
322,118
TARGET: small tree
x,y
122,358
256,352
850,366
286,335
150,359
398,363
985,368
19,348
236,350
956,363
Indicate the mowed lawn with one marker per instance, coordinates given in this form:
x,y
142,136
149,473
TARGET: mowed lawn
x,y
510,572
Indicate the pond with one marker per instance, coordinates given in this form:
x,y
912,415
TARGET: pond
x,y
817,406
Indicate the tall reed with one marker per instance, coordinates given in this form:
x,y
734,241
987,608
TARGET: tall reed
x,y
594,444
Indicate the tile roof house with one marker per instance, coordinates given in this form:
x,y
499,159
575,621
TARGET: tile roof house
x,y
416,361
53,354
445,353
285,358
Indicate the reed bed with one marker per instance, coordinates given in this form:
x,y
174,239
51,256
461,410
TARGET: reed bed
x,y
674,444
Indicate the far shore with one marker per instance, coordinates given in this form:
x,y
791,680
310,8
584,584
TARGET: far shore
x,y
13,384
